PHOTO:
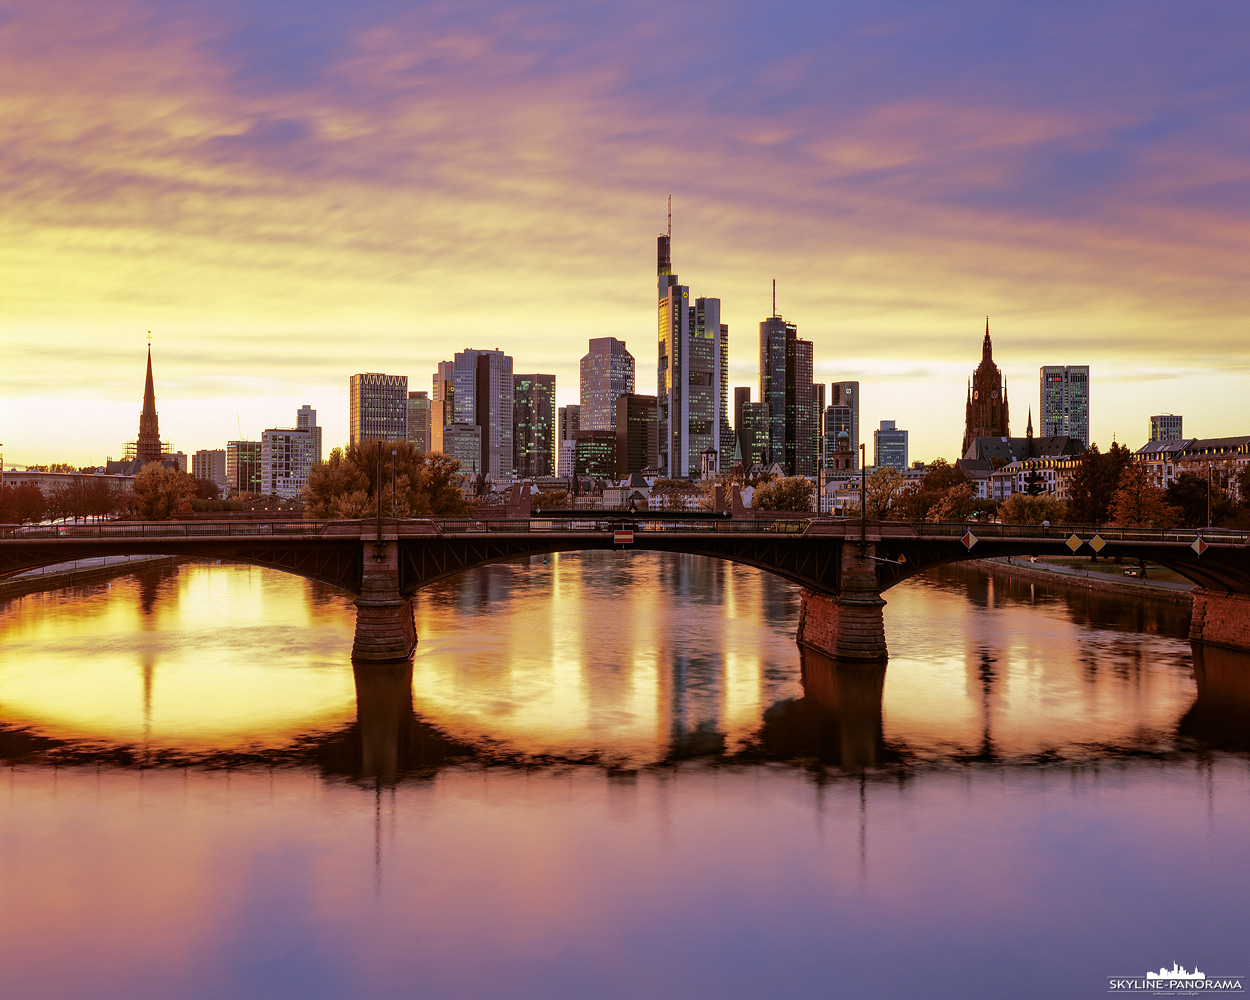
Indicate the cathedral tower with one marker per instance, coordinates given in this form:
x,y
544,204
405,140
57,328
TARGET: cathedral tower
x,y
148,446
987,398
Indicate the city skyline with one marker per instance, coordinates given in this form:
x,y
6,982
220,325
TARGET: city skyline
x,y
285,208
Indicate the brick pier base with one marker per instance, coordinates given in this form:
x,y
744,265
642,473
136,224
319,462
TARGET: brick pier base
x,y
846,628
385,628
1220,619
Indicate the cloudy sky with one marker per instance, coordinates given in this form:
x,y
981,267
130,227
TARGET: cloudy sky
x,y
286,193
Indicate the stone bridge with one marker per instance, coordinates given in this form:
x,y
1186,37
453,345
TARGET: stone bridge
x,y
843,566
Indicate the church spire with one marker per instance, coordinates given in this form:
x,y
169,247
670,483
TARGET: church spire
x,y
987,349
1029,431
148,446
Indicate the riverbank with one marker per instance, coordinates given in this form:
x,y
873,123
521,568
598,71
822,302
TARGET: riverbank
x,y
1178,593
79,571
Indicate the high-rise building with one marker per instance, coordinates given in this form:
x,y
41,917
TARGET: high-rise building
x,y
463,442
1065,402
569,421
419,409
636,434
595,454
788,396
378,407
210,465
838,419
534,425
442,403
750,428
243,466
986,414
607,374
818,412
846,394
889,447
1165,427
306,420
693,377
484,390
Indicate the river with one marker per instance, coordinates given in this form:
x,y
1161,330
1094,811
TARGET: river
x,y
612,775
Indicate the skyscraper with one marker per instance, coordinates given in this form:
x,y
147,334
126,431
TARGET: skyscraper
x,y
569,419
636,443
210,465
442,403
607,374
986,414
1065,402
788,396
693,377
534,425
484,391
419,411
378,407
243,466
1166,427
306,420
846,394
889,446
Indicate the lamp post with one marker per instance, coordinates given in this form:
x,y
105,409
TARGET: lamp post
x,y
1208,494
863,495
393,514
378,491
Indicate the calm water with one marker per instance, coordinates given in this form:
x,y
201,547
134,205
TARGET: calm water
x,y
612,776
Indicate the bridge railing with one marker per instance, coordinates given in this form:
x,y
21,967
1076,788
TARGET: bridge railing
x,y
988,530
540,525
162,529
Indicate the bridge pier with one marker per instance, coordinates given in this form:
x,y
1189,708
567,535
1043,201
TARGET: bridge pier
x,y
385,628
1220,619
848,625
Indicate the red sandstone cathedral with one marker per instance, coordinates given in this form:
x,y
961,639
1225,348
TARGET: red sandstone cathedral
x,y
987,398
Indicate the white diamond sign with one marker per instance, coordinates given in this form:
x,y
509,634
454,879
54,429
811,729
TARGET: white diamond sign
x,y
1199,545
1098,543
1073,542
969,540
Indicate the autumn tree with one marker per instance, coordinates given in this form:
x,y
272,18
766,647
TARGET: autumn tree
x,y
784,493
1196,498
956,504
19,504
883,491
1024,508
158,491
346,486
1138,504
1094,483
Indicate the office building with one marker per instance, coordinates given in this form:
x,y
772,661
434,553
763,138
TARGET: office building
x,y
420,407
818,412
287,455
569,421
839,419
595,454
378,408
889,446
210,465
846,394
788,395
483,396
442,403
463,442
1065,402
243,466
693,374
1166,427
607,374
534,425
986,413
636,434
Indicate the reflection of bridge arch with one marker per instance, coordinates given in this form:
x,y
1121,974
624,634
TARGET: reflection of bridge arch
x,y
842,566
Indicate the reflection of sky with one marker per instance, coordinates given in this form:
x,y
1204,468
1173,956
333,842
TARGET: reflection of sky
x,y
288,193
228,656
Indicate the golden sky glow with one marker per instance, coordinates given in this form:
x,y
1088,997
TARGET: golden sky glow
x,y
286,195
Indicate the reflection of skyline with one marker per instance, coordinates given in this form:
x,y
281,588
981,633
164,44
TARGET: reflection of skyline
x,y
612,660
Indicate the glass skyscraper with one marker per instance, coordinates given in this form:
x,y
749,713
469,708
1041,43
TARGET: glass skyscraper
x,y
788,395
607,373
1065,402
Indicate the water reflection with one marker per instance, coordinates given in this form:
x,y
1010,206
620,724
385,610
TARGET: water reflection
x,y
642,661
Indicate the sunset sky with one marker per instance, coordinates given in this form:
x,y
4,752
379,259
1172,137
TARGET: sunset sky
x,y
287,193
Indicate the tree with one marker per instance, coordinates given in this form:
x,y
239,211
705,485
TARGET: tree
x,y
19,504
957,504
1138,504
785,493
883,491
1190,495
941,475
551,500
1094,483
1022,508
159,491
345,486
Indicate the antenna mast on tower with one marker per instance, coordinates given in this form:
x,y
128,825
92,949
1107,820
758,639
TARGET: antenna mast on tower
x,y
774,298
670,216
